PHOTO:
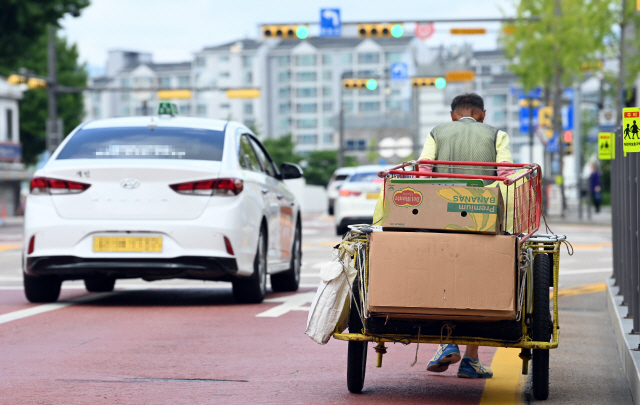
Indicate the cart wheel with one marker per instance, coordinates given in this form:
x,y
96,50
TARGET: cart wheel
x,y
357,351
541,325
550,269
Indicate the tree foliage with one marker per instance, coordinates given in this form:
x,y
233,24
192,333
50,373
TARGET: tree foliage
x,y
281,150
321,165
23,22
33,107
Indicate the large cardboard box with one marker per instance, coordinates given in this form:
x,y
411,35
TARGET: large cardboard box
x,y
444,207
429,275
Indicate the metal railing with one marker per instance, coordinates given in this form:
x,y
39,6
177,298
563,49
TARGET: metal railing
x,y
625,207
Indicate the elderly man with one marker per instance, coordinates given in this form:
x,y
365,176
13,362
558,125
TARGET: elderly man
x,y
466,139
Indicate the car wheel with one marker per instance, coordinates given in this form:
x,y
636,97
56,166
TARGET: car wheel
x,y
290,280
330,209
99,283
41,289
253,289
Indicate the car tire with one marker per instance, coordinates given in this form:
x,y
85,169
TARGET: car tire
x,y
290,280
251,290
330,210
41,289
99,283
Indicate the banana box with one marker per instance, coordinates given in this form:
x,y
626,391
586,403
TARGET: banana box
x,y
443,207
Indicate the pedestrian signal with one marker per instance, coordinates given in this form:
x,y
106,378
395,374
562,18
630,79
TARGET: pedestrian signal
x,y
606,146
285,31
630,133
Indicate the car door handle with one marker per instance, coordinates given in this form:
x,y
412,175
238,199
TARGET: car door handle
x,y
265,190
279,196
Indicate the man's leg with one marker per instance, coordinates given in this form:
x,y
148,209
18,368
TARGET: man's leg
x,y
470,366
471,351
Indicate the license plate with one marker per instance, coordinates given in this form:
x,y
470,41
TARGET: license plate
x,y
372,196
126,244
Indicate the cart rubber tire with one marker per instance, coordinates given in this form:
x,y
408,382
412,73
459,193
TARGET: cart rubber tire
x,y
41,288
290,280
357,351
251,290
550,269
541,325
99,283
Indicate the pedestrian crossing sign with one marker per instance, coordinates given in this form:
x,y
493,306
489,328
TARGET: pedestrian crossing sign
x,y
630,124
606,146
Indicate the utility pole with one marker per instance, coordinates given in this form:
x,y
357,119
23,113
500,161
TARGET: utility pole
x,y
620,96
530,101
54,126
341,127
577,143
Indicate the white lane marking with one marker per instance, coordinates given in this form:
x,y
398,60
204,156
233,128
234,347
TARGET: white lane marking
x,y
292,302
585,271
10,278
307,231
25,313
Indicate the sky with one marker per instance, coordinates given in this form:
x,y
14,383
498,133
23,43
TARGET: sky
x,y
173,30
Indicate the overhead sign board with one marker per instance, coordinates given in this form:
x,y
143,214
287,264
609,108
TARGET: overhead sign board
x,y
468,31
460,76
330,22
630,133
243,93
399,71
606,146
174,94
524,119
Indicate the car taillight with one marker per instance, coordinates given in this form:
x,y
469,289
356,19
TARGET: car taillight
x,y
32,243
46,185
348,193
227,244
210,187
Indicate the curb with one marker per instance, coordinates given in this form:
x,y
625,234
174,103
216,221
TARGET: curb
x,y
627,343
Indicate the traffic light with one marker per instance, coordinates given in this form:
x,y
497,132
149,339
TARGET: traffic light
x,y
285,31
16,79
545,114
438,82
381,30
567,145
359,84
36,84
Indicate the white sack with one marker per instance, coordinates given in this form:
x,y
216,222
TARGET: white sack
x,y
330,300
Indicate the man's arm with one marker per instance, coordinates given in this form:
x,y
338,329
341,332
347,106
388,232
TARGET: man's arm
x,y
503,153
428,152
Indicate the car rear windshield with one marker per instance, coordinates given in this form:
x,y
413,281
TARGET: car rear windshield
x,y
365,177
145,143
341,177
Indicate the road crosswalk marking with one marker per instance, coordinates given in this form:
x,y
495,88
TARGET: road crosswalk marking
x,y
294,302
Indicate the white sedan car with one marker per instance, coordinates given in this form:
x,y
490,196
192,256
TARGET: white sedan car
x,y
158,198
357,197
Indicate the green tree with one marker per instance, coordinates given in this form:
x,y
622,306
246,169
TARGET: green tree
x,y
23,22
321,165
550,51
281,149
33,107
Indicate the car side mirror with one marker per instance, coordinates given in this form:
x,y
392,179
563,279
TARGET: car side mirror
x,y
290,171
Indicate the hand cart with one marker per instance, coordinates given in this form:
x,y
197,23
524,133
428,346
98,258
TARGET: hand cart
x,y
535,328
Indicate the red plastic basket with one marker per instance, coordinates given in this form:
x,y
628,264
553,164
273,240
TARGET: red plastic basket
x,y
527,187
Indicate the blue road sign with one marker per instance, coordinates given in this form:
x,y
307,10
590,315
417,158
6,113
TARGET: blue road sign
x,y
330,23
399,71
552,145
567,117
524,119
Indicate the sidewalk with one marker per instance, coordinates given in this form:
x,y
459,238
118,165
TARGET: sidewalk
x,y
603,218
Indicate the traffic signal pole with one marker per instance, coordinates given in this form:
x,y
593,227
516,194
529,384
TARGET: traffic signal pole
x,y
52,135
341,125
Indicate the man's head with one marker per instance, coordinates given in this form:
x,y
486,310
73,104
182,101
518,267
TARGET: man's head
x,y
467,105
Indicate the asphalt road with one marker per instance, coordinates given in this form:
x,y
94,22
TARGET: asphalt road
x,y
187,342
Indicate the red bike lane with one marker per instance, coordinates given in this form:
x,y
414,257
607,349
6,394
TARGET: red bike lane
x,y
196,346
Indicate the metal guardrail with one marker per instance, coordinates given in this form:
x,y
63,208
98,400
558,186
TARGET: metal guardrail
x,y
625,207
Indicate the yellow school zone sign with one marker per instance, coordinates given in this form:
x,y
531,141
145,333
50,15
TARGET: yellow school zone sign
x,y
606,146
630,129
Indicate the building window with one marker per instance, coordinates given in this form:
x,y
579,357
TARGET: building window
x,y
366,73
307,139
247,61
248,77
96,113
126,111
347,58
284,108
185,109
485,70
284,92
183,81
393,105
393,57
284,60
327,106
359,145
284,77
307,123
499,100
224,75
326,75
306,76
327,122
306,92
369,106
225,106
305,60
125,96
307,108
95,96
368,58
223,58
248,108
327,59
366,92
326,91
201,110
165,82
249,122
327,138
125,82
201,61
284,124
347,106
499,116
